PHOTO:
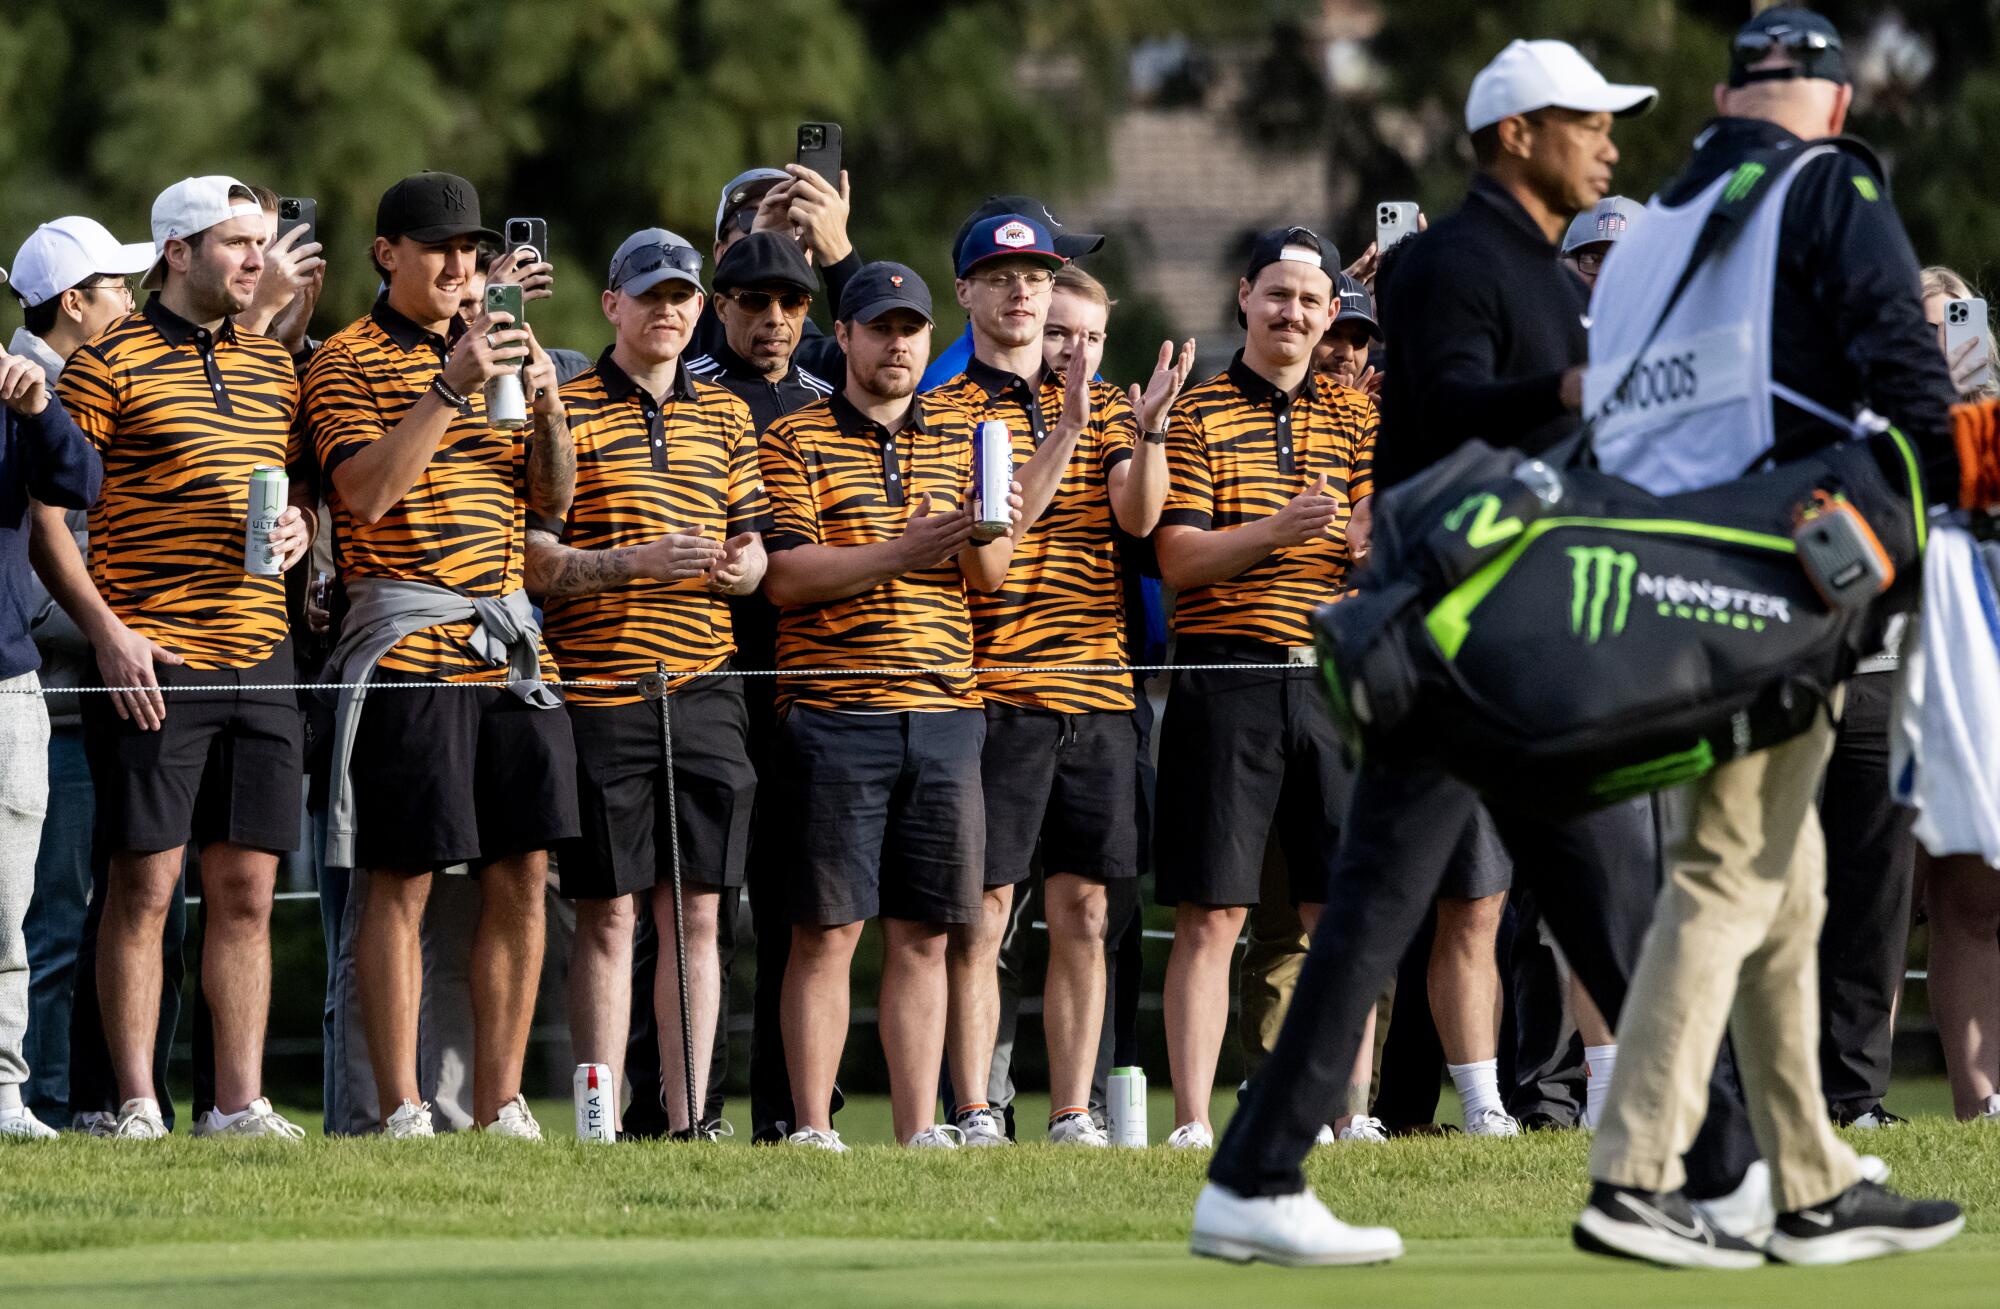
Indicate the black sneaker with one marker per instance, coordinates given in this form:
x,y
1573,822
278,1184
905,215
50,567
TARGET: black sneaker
x,y
1866,1117
1865,1221
1658,1227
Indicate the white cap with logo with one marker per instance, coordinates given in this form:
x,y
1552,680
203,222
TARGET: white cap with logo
x,y
70,251
195,204
1531,75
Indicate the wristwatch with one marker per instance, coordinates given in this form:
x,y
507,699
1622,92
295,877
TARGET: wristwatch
x,y
1153,438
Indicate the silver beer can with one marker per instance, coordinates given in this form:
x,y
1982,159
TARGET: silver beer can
x,y
270,492
993,478
594,1090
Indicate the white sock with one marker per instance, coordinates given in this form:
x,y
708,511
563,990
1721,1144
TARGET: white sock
x,y
220,1119
10,1098
1478,1086
1600,1061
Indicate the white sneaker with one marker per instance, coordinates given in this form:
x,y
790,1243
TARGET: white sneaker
x,y
1491,1122
259,1119
20,1124
1873,1168
1991,1112
1325,1135
1363,1128
1078,1129
410,1122
139,1120
515,1123
936,1137
982,1127
813,1138
1293,1230
1748,1212
94,1122
1191,1136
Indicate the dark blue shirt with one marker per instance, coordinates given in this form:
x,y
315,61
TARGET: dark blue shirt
x,y
41,458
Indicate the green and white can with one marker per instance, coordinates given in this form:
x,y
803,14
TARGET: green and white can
x,y
270,490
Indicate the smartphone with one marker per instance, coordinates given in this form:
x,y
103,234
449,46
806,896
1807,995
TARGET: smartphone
x,y
297,211
819,149
505,298
528,234
1394,220
1965,320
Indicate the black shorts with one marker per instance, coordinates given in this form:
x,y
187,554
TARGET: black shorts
x,y
226,765
1066,783
1479,864
621,780
451,774
888,812
1245,755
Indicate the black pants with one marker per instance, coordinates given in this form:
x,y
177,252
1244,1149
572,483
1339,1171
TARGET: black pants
x,y
1870,862
1549,1080
1594,876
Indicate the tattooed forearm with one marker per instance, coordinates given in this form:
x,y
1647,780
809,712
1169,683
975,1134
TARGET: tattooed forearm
x,y
551,467
557,569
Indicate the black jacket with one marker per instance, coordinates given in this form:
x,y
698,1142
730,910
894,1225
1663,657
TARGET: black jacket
x,y
1482,320
769,401
1847,317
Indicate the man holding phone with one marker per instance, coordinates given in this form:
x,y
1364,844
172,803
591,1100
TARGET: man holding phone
x,y
430,499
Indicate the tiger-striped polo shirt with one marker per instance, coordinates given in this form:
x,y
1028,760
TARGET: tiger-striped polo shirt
x,y
643,470
1063,601
838,478
1237,451
181,416
461,525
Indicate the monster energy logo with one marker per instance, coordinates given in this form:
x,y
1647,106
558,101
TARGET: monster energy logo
x,y
1598,573
1487,527
1739,185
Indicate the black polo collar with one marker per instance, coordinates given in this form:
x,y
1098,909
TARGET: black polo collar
x,y
407,333
853,423
1259,391
178,331
997,382
618,383
1508,209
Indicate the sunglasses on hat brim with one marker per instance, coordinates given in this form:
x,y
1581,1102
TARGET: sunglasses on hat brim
x,y
652,258
1814,53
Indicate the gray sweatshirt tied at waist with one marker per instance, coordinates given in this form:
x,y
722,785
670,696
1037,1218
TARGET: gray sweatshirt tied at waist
x,y
383,612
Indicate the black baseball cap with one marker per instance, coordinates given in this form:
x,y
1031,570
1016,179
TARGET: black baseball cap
x,y
880,287
1290,245
1810,39
1356,305
763,259
1070,245
432,207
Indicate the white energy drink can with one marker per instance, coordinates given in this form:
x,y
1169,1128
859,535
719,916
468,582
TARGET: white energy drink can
x,y
506,403
593,1103
992,477
270,490
1125,1107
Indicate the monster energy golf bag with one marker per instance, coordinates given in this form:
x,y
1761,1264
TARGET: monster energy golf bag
x,y
1564,639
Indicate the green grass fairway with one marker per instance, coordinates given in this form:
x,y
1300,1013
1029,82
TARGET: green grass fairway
x,y
469,1221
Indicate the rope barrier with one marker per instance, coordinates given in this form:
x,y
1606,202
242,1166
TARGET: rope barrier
x,y
643,683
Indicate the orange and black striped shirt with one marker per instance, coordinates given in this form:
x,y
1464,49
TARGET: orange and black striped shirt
x,y
1237,451
643,470
1064,600
181,416
461,526
838,478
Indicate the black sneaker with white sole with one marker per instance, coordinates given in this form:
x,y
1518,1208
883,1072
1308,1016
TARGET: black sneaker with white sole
x,y
1659,1227
1865,1221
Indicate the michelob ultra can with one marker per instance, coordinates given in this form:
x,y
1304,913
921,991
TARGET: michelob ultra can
x,y
1125,1107
992,477
593,1103
270,490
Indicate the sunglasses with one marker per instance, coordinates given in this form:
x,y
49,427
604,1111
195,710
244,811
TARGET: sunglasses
x,y
1752,46
652,258
756,302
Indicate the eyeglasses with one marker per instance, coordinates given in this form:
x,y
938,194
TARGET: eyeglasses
x,y
1034,280
118,284
652,258
1589,261
756,302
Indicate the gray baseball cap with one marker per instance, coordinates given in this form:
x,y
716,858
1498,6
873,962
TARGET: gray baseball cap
x,y
1610,219
653,255
750,184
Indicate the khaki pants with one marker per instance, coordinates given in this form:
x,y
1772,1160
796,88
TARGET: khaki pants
x,y
1734,942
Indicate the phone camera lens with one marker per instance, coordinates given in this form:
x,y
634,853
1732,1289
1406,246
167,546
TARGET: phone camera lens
x,y
814,138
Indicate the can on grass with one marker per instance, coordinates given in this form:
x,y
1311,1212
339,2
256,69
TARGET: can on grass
x,y
1125,1107
992,478
270,489
593,1103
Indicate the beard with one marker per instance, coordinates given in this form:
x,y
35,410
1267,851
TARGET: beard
x,y
877,382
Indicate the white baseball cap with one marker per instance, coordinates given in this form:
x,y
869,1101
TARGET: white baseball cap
x,y
69,251
191,205
1531,75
